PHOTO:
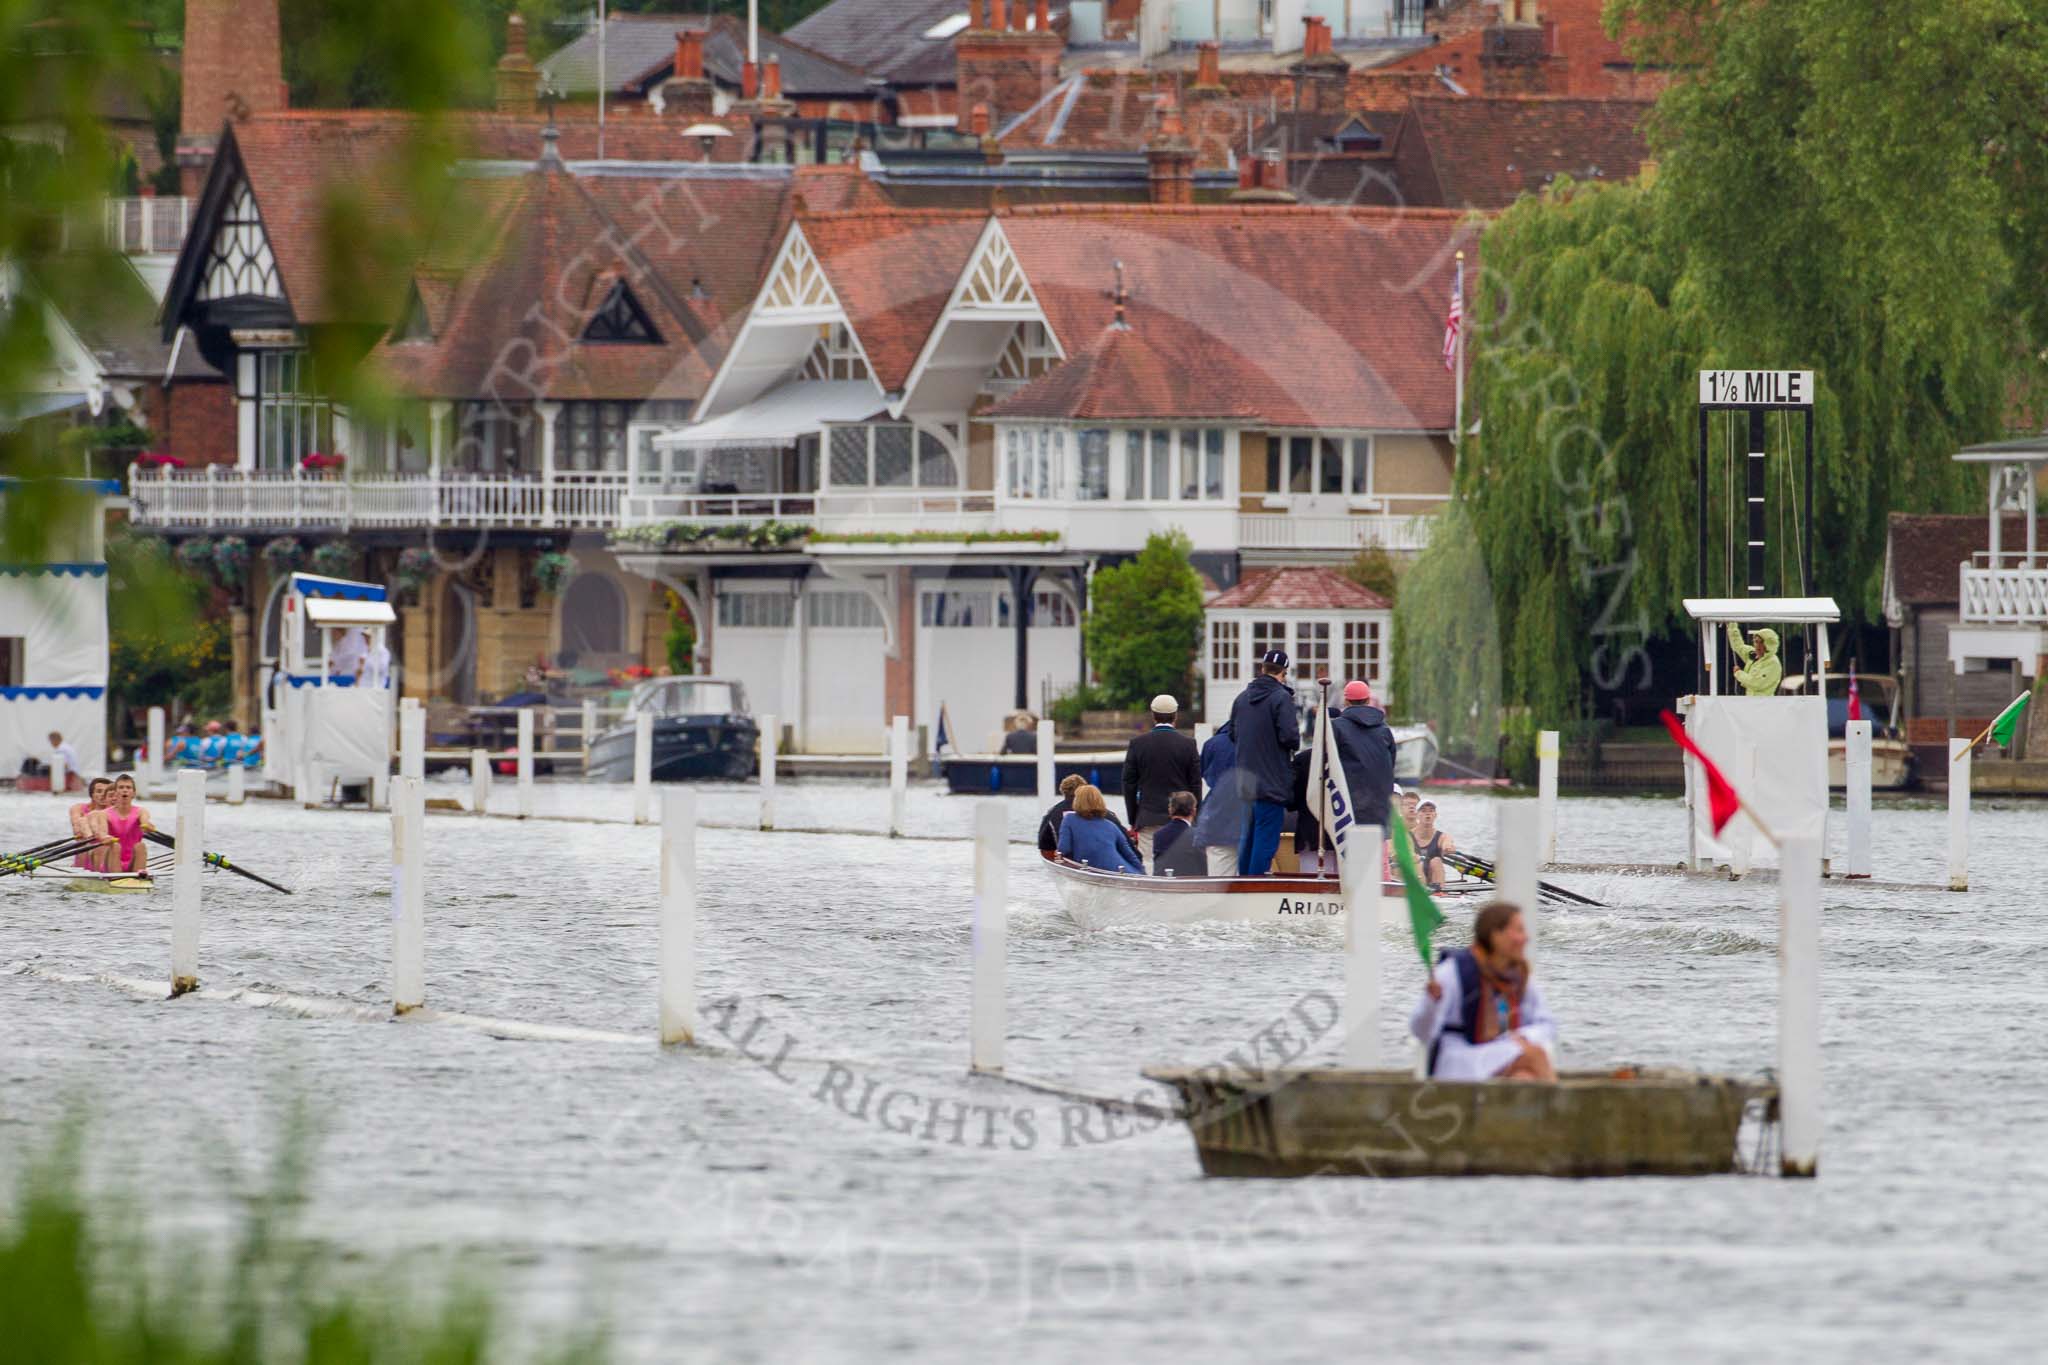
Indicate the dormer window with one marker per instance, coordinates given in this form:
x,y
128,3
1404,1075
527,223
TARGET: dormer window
x,y
413,323
621,319
1354,136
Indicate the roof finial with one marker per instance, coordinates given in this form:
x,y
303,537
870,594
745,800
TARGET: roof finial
x,y
1122,324
550,136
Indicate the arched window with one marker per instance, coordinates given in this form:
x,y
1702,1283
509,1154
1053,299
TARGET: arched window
x,y
593,618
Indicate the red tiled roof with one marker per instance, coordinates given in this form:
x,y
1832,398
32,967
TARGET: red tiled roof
x,y
1299,589
893,270
302,164
1299,316
1923,553
1119,111
559,241
1484,153
1130,374
1591,57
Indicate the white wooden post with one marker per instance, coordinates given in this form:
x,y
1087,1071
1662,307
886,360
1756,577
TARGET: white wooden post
x,y
153,768
1799,1082
237,784
678,950
589,730
412,740
1048,764
990,1019
58,776
1856,771
899,773
408,895
479,782
186,863
1546,796
1362,892
1516,832
1959,815
771,734
643,767
525,788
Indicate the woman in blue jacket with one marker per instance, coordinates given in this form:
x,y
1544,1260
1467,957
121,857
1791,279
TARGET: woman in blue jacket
x,y
1089,837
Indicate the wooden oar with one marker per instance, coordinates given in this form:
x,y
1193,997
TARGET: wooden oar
x,y
157,836
13,863
1481,868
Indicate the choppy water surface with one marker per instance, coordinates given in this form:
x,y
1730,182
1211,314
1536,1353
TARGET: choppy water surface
x,y
720,1209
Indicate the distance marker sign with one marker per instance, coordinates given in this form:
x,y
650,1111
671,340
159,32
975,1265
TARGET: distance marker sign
x,y
1756,388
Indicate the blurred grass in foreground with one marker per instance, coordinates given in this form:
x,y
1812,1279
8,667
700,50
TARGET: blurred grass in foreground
x,y
81,1280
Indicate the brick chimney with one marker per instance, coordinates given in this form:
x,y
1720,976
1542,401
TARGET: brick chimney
x,y
1170,159
1208,67
1518,55
233,66
750,81
688,94
1321,77
1262,179
1007,66
1315,37
518,80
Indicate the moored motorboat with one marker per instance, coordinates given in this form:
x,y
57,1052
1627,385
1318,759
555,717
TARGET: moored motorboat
x,y
1415,752
701,732
1891,757
1095,899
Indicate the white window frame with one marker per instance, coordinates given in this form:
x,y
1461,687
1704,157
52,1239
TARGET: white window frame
x,y
740,602
1226,649
1186,453
918,435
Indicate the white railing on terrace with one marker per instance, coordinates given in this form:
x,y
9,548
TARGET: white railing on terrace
x,y
1286,531
220,497
142,225
907,511
2011,592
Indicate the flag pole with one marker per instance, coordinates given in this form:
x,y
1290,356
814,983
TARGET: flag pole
x,y
1329,755
1458,368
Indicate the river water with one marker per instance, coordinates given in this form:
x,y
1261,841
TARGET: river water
x,y
717,1208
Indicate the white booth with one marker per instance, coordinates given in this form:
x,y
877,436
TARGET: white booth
x,y
335,696
1773,750
53,636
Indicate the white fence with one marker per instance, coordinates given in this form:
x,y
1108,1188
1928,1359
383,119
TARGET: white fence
x,y
286,499
2018,595
1286,531
139,226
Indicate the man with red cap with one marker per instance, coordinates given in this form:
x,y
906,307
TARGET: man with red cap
x,y
1365,749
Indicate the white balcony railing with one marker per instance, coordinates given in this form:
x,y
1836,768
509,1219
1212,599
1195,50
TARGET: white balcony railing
x,y
881,512
286,500
2015,594
143,225
1286,531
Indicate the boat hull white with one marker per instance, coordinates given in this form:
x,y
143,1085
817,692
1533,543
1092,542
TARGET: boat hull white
x,y
1104,900
1891,765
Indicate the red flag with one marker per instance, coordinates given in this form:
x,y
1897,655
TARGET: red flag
x,y
1722,802
1855,698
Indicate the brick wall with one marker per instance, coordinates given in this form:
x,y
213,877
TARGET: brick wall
x,y
199,422
1008,71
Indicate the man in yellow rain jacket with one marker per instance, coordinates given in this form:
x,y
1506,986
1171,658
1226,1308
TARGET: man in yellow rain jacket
x,y
1764,668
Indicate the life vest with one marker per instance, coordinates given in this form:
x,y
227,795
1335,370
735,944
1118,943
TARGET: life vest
x,y
1466,1013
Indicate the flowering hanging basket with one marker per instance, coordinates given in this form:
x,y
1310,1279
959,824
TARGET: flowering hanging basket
x,y
231,560
284,555
319,463
337,559
195,555
158,459
415,567
552,570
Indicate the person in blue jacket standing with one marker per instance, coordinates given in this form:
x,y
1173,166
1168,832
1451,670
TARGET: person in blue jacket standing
x,y
1267,731
1220,824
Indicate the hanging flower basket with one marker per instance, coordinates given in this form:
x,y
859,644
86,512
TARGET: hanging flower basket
x,y
158,459
415,567
284,555
552,570
231,561
195,555
337,559
321,463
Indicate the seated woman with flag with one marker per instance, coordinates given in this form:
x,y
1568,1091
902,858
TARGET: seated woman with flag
x,y
1482,1017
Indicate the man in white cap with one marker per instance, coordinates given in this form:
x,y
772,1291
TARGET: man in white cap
x,y
1157,764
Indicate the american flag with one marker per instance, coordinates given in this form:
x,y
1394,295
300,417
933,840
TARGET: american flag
x,y
1455,320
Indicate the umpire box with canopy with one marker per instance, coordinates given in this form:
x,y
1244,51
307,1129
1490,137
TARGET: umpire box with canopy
x,y
334,702
1773,749
53,627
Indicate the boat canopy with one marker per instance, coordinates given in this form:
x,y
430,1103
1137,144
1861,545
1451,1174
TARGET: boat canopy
x,y
341,611
1795,611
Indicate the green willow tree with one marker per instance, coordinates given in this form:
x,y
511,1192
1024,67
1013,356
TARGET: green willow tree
x,y
1889,234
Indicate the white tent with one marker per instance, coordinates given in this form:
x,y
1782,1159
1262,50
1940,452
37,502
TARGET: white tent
x,y
331,727
53,640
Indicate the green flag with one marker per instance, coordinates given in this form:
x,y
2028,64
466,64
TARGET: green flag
x,y
2009,720
1422,911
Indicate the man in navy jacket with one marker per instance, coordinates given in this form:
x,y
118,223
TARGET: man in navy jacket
x,y
1268,731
